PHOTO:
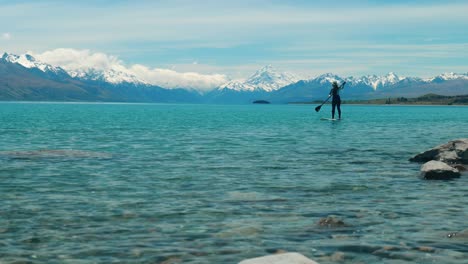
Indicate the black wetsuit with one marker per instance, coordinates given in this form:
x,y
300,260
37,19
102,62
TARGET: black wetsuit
x,y
336,101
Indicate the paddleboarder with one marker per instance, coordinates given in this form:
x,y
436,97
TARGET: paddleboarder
x,y
336,100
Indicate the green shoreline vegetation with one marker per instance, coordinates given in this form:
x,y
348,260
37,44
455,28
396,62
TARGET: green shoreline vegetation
x,y
428,99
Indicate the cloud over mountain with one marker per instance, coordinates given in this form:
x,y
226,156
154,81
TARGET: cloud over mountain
x,y
74,60
99,77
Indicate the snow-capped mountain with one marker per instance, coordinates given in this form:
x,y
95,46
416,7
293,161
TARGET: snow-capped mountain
x,y
28,61
326,79
109,76
237,85
448,76
373,81
25,78
376,81
389,79
266,79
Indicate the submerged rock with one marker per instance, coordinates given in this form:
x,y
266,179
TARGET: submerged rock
x,y
338,256
331,221
426,249
437,170
286,258
172,260
453,152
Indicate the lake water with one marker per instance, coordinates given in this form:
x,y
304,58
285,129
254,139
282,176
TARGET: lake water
x,y
161,183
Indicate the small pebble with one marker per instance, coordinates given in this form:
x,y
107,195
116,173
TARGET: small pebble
x,y
426,249
338,256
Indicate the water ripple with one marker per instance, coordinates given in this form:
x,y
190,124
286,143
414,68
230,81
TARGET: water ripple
x,y
206,184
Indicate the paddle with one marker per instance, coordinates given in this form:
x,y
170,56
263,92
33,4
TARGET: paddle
x,y
320,106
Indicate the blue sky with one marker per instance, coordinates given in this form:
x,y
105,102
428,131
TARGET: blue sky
x,y
410,38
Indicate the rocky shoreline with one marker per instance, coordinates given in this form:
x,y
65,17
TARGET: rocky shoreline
x,y
444,162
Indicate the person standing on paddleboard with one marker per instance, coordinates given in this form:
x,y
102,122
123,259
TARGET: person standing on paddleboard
x,y
336,100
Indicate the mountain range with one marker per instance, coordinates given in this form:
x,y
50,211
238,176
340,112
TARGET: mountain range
x,y
22,77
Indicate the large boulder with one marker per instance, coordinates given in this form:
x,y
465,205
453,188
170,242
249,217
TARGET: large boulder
x,y
454,152
437,170
286,258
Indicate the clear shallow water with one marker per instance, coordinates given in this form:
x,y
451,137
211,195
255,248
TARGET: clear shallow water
x,y
148,183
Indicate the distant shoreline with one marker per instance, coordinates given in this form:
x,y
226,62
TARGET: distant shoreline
x,y
425,100
428,99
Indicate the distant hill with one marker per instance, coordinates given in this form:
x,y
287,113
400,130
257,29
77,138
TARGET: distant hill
x,y
21,83
261,102
23,78
428,99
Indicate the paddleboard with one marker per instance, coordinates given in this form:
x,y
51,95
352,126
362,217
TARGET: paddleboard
x,y
329,119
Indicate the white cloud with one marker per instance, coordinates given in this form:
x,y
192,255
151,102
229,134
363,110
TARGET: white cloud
x,y
6,36
72,59
171,78
236,33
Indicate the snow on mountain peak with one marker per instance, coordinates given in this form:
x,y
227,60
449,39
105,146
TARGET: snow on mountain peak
x,y
392,77
10,57
114,76
266,79
269,79
450,76
238,85
111,76
389,79
267,68
28,61
328,78
377,81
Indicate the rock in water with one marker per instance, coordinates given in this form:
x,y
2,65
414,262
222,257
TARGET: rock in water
x,y
331,222
261,102
437,170
455,151
286,258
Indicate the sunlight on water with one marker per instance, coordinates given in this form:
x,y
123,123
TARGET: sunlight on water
x,y
218,184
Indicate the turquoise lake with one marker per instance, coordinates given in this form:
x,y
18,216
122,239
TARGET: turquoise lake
x,y
163,183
